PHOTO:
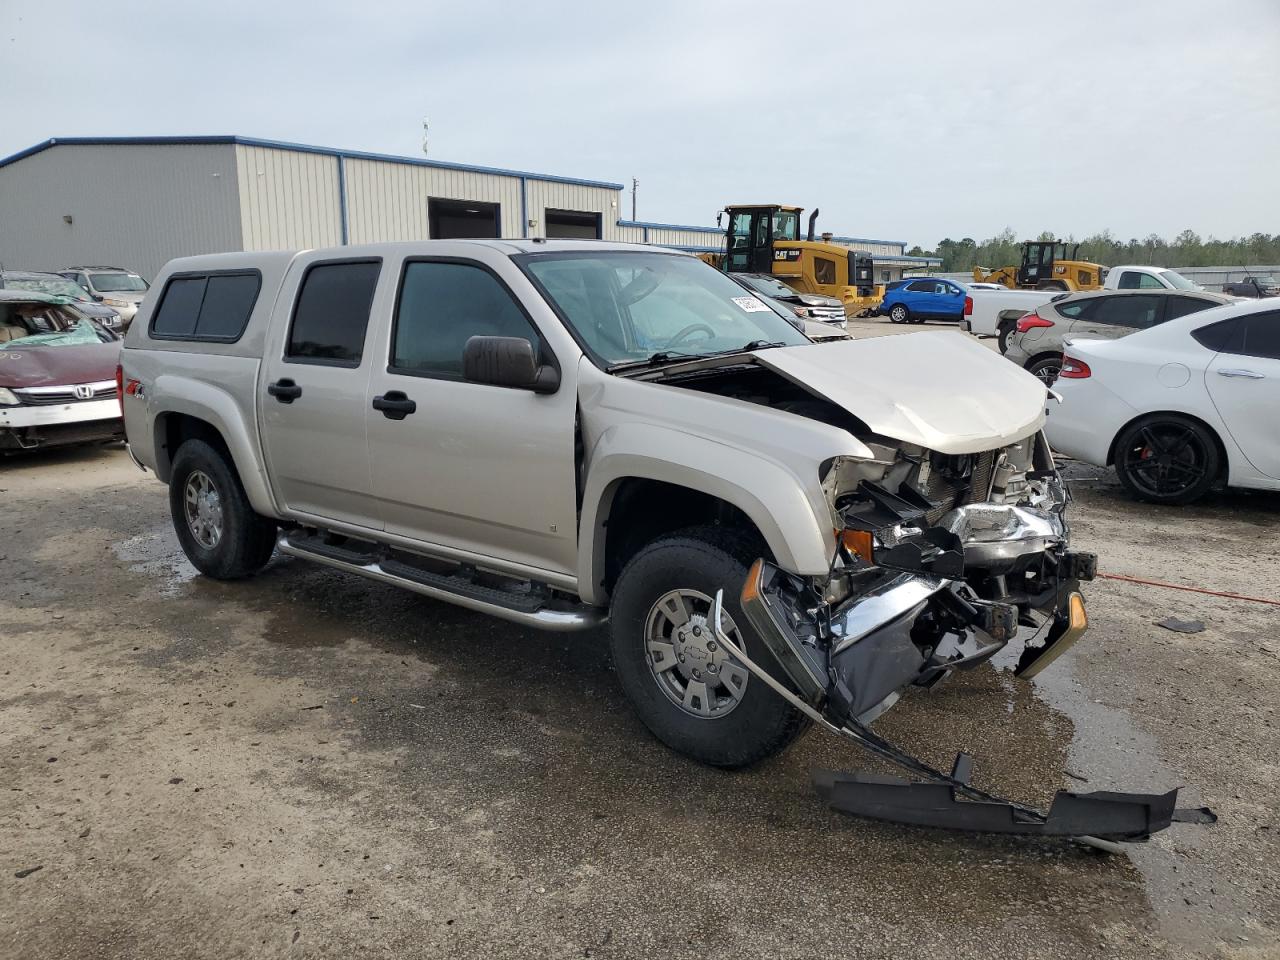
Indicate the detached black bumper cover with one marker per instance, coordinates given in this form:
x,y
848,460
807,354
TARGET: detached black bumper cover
x,y
1126,817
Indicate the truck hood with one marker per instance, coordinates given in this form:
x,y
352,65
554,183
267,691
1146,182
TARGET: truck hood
x,y
943,391
54,366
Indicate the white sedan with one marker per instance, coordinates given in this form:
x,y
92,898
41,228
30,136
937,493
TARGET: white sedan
x,y
1178,408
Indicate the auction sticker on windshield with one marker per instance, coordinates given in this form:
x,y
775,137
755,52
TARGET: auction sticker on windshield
x,y
750,304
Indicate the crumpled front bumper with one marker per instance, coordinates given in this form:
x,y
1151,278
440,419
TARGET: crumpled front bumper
x,y
953,597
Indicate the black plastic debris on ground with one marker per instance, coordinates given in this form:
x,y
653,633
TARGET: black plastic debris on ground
x,y
1181,626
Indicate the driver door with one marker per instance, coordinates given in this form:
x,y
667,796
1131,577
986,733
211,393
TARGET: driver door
x,y
478,470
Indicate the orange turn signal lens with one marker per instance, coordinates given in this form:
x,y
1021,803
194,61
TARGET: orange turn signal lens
x,y
751,586
858,542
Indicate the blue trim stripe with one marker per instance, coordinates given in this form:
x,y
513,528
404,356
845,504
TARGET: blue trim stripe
x,y
301,148
668,226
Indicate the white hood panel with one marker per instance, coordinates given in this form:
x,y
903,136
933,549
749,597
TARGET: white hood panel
x,y
943,391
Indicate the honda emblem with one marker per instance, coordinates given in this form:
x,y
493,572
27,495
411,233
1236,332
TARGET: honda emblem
x,y
84,392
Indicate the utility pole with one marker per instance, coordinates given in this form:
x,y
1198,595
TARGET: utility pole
x,y
425,131
634,183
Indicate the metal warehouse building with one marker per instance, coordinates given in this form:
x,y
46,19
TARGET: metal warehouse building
x,y
140,201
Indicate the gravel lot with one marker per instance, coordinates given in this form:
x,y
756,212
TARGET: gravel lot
x,y
306,764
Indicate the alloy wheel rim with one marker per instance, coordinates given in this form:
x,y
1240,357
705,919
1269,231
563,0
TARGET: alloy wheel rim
x,y
1166,459
203,506
1048,373
690,667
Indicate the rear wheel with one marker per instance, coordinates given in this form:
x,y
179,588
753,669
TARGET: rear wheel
x,y
1046,367
1052,285
1006,331
899,314
688,691
219,532
1168,459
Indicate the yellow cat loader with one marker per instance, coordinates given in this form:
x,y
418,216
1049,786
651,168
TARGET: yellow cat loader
x,y
1046,266
765,238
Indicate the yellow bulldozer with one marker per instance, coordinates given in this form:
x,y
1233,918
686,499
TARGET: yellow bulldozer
x,y
1046,265
765,238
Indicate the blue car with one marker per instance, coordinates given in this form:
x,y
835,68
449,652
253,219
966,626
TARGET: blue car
x,y
923,298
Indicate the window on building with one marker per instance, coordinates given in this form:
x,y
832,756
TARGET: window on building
x,y
332,313
462,219
824,270
573,225
442,306
884,276
206,307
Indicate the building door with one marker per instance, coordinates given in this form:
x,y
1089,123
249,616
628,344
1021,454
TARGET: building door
x,y
463,219
573,225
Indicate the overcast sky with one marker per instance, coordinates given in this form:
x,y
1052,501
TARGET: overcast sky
x,y
905,121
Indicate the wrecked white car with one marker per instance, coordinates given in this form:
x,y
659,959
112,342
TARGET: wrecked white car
x,y
560,433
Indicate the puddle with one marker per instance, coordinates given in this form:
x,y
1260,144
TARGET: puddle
x,y
1188,896
158,555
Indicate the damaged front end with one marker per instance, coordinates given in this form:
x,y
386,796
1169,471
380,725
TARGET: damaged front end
x,y
941,561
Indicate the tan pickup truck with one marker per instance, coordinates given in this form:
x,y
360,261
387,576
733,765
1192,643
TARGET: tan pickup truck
x,y
564,433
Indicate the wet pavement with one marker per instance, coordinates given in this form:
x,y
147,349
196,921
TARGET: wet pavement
x,y
308,764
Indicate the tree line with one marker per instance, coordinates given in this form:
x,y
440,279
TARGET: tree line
x,y
1187,249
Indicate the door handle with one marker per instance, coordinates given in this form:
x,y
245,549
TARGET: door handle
x,y
394,405
284,390
1236,372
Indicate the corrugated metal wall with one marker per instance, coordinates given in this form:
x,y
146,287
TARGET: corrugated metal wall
x,y
388,201
544,195
131,205
288,199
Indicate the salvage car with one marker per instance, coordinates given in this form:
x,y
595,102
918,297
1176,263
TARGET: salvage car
x,y
60,286
807,306
1179,409
57,374
925,298
1036,342
564,433
116,287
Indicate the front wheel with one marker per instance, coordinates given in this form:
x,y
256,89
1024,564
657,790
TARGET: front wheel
x,y
219,532
899,314
688,691
1167,458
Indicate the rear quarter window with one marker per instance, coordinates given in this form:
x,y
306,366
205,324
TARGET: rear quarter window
x,y
211,307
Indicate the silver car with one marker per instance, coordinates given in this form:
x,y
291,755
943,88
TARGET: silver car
x,y
116,287
1036,343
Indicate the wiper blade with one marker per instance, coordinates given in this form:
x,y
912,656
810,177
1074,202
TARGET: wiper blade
x,y
662,356
758,345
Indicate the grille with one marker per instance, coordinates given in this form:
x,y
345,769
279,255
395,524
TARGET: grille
x,y
948,493
48,396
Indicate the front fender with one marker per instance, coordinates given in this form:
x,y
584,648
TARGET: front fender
x,y
172,395
794,525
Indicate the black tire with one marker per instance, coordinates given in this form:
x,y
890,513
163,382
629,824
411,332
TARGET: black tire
x,y
702,559
1046,366
918,320
1052,285
898,313
1006,331
245,540
1167,458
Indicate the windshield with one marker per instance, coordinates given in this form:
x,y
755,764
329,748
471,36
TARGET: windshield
x,y
58,286
769,286
1177,280
45,325
118,283
629,306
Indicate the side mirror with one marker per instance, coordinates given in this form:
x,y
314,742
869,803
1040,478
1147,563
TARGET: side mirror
x,y
97,297
507,362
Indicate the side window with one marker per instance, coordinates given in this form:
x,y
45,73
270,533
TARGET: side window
x,y
1129,280
921,286
824,271
1217,336
212,307
442,306
1148,282
332,313
1138,310
1176,307
1261,336
1079,309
